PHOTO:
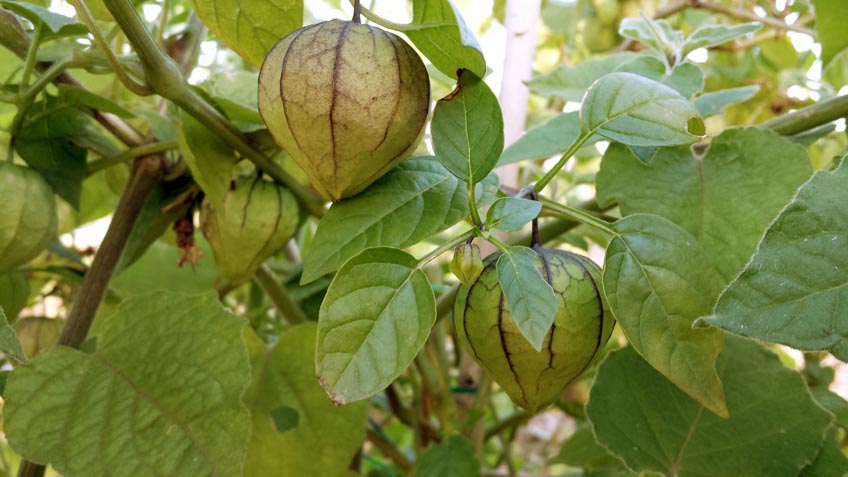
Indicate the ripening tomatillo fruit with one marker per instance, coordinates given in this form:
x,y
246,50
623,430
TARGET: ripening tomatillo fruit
x,y
347,101
582,325
254,220
28,220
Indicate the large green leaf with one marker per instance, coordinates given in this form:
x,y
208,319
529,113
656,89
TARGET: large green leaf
x,y
438,30
530,298
45,143
14,293
830,24
545,140
9,342
415,200
375,318
657,280
571,82
322,437
703,195
774,428
160,396
467,129
830,461
795,289
712,35
635,110
512,213
453,457
250,27
710,104
583,450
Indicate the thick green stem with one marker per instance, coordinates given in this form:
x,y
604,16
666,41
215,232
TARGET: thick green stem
x,y
29,62
578,215
166,79
145,150
288,308
97,278
810,117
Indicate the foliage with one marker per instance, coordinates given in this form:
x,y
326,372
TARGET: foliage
x,y
320,337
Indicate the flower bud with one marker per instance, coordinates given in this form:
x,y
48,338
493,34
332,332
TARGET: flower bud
x,y
466,263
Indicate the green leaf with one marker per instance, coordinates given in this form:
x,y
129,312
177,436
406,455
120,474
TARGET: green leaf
x,y
297,431
79,96
511,213
160,396
571,82
545,140
440,33
9,342
703,194
45,143
713,35
376,316
583,450
657,34
453,457
14,292
158,269
833,403
634,110
795,289
710,104
830,25
61,162
830,461
415,200
467,129
530,298
56,23
774,427
657,280
209,158
236,92
250,28
685,78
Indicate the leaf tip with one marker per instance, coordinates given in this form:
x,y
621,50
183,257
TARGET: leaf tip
x,y
704,322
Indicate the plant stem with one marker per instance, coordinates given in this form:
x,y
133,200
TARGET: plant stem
x,y
389,450
578,215
472,206
132,85
144,150
810,117
548,177
97,278
369,14
288,308
512,421
450,244
749,16
166,79
32,52
14,38
356,9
